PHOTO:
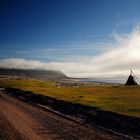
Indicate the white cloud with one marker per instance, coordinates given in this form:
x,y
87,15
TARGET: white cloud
x,y
125,54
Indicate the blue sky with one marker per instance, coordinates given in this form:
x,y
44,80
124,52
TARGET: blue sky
x,y
63,30
61,24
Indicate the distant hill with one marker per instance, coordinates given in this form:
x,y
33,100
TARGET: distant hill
x,y
37,74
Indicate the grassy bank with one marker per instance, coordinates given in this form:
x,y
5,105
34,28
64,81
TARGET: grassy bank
x,y
120,99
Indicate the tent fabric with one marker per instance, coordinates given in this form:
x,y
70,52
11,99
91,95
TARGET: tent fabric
x,y
131,80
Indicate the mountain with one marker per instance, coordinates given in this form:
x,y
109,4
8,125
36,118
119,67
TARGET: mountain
x,y
37,74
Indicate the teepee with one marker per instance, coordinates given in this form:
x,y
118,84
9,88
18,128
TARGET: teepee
x,y
132,79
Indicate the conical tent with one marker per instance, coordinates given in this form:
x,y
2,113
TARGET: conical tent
x,y
131,79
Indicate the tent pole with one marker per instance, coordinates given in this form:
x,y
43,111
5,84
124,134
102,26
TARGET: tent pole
x,y
135,77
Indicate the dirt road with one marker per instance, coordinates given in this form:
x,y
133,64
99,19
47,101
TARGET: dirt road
x,y
33,123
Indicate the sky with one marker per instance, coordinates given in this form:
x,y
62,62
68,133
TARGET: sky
x,y
82,38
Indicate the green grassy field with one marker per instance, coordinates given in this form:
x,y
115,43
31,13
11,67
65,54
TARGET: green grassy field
x,y
121,99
